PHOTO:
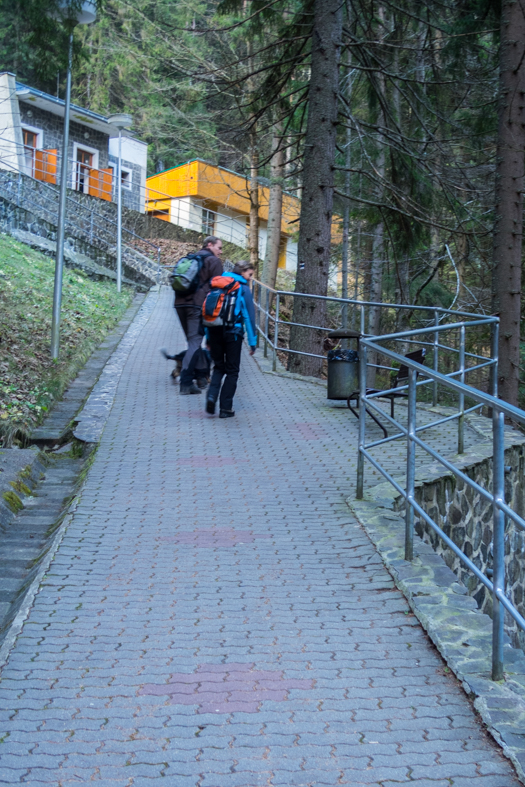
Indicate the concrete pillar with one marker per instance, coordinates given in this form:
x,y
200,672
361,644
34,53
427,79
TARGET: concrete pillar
x,y
11,140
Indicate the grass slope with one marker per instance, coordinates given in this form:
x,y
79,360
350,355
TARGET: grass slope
x,y
29,379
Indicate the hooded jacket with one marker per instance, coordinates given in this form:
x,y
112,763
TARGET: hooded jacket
x,y
246,316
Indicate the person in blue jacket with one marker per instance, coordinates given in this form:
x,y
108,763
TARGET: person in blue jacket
x,y
226,344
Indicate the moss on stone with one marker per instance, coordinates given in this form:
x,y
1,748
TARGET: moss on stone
x,y
13,501
26,472
20,487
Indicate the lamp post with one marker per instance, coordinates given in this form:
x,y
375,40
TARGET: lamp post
x,y
70,16
120,120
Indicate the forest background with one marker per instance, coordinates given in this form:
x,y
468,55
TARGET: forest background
x,y
413,97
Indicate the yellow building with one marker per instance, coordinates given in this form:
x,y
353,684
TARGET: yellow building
x,y
214,200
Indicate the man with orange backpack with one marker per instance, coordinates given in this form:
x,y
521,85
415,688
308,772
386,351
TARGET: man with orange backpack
x,y
227,311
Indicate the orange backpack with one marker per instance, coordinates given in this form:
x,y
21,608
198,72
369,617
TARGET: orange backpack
x,y
221,304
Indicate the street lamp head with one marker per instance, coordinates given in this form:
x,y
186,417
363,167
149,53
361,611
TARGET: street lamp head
x,y
76,12
121,120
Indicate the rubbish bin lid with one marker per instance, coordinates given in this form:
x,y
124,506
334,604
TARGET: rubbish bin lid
x,y
344,333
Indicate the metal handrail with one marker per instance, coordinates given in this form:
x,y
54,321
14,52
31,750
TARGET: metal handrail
x,y
454,382
410,432
265,296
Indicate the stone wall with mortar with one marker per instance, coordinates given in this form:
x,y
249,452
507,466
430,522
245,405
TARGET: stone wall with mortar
x,y
91,216
136,267
465,516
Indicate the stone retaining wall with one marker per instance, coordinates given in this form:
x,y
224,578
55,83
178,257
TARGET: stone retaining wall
x,y
92,221
136,267
43,199
466,517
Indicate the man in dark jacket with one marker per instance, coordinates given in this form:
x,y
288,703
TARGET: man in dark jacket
x,y
189,310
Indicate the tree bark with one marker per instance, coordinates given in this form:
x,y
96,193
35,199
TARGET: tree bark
x,y
376,292
346,208
253,234
508,223
318,186
275,209
376,268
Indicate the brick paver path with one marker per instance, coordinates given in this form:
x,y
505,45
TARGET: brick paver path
x,y
214,616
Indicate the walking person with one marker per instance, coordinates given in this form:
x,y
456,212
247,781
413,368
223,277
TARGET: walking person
x,y
189,307
225,343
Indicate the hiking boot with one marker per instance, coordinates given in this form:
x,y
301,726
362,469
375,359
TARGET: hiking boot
x,y
210,406
186,390
202,382
226,414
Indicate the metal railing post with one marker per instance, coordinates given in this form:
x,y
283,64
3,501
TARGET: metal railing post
x,y
158,265
411,465
461,419
436,360
61,222
119,212
495,357
276,334
19,190
266,322
498,537
362,421
257,302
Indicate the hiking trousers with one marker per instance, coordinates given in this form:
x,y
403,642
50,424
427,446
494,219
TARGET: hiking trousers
x,y
190,320
225,349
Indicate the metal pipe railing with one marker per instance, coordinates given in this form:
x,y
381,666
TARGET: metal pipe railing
x,y
461,327
496,496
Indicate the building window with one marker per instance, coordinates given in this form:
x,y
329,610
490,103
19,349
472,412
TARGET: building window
x,y
125,175
30,145
84,164
208,221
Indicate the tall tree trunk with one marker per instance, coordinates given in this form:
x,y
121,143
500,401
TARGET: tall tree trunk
x,y
318,186
253,235
376,291
508,225
275,209
376,268
346,208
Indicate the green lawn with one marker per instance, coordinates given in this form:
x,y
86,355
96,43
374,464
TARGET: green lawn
x,y
29,379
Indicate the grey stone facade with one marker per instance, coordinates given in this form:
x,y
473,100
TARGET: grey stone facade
x,y
52,127
53,132
132,198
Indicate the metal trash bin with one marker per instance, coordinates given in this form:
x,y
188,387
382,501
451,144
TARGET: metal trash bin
x,y
343,367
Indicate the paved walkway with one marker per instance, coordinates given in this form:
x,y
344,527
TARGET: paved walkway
x,y
214,617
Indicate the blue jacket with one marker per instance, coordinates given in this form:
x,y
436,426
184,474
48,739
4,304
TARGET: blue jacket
x,y
247,311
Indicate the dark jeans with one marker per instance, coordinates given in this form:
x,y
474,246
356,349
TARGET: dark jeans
x,y
225,351
190,320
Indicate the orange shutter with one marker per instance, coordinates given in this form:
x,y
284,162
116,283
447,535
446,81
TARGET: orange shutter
x,y
46,165
101,183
